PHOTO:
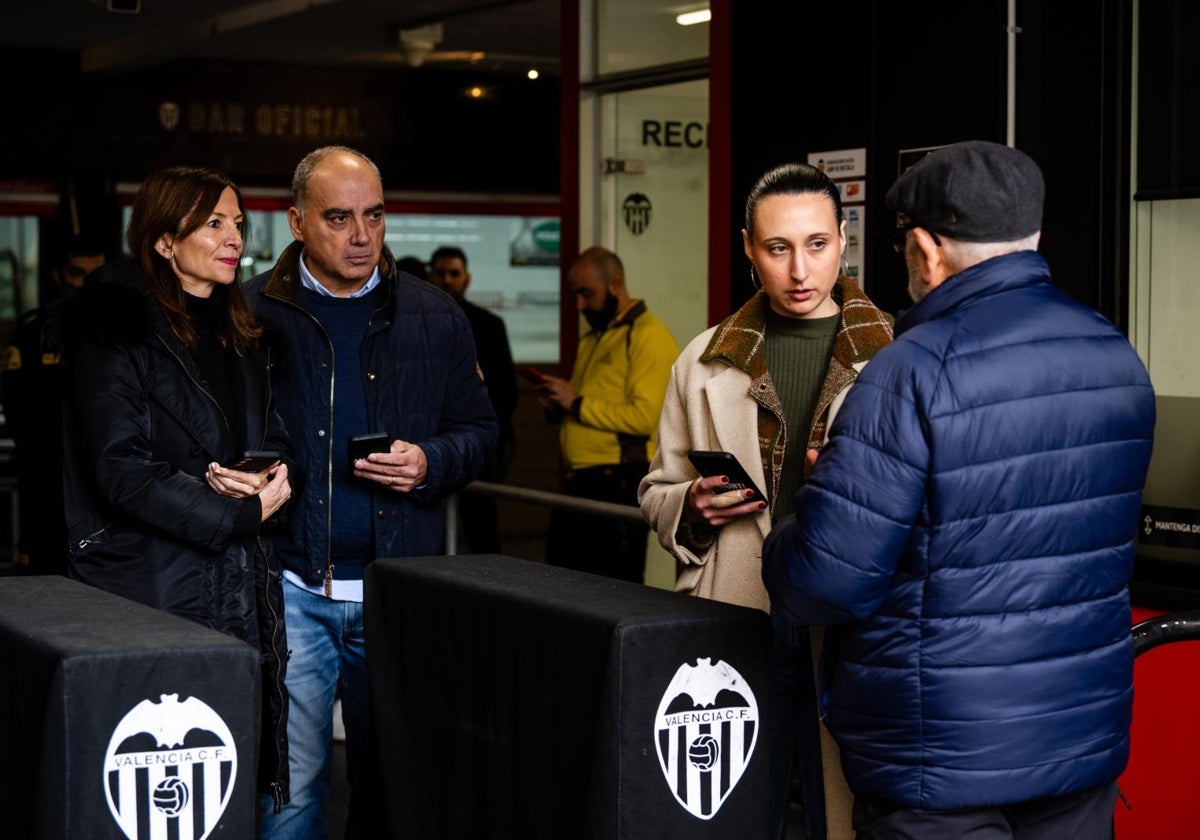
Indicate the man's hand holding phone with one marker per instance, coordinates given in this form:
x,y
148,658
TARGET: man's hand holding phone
x,y
397,465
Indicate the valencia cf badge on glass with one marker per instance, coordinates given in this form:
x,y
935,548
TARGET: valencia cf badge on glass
x,y
636,208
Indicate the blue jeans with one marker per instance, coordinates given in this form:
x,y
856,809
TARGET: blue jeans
x,y
328,661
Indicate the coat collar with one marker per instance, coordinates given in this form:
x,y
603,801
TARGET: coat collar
x,y
738,342
999,274
738,339
284,281
635,308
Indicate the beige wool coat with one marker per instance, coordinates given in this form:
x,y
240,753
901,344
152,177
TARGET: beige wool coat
x,y
720,396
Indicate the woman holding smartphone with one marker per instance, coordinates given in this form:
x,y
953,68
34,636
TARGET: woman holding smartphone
x,y
167,381
763,385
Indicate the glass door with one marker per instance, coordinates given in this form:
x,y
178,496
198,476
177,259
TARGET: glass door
x,y
654,198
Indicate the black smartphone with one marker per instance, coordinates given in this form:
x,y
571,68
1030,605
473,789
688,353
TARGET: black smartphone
x,y
253,461
709,463
360,446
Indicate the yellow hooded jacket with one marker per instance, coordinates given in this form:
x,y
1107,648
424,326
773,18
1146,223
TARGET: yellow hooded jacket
x,y
621,374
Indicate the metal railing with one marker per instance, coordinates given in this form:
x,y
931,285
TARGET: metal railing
x,y
533,497
1182,626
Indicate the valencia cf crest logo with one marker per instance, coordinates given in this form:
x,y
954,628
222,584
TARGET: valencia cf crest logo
x,y
637,210
705,731
169,770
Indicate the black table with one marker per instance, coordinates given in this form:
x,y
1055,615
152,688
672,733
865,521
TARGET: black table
x,y
121,720
515,699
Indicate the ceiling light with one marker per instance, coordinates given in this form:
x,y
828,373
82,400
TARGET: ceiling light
x,y
418,43
533,73
698,16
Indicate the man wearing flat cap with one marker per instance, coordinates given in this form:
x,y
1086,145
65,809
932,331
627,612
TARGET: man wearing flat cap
x,y
968,531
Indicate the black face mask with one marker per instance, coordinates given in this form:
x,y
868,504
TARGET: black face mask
x,y
600,319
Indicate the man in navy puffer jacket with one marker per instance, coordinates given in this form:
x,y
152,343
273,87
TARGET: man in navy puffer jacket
x,y
969,529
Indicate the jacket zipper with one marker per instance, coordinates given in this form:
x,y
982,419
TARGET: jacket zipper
x,y
195,381
90,538
281,661
328,448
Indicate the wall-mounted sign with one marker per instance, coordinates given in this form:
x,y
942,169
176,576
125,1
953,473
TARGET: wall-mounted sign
x,y
1176,527
842,164
847,168
675,134
636,209
256,121
536,244
855,226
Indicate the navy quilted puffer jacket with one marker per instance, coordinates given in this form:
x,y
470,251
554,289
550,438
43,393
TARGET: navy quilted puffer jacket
x,y
970,527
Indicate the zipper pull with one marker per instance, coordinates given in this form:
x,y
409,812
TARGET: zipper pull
x,y
329,581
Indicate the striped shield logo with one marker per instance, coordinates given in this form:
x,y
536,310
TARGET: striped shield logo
x,y
169,770
706,728
637,210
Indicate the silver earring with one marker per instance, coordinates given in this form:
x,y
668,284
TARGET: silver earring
x,y
753,278
845,266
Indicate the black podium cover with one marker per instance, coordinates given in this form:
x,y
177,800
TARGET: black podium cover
x,y
121,720
515,699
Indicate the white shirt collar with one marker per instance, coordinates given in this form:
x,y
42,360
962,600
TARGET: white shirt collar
x,y
310,282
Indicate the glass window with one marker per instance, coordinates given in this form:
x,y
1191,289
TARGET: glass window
x,y
18,267
636,34
656,202
513,261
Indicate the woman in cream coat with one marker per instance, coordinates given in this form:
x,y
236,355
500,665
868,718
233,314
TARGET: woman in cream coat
x,y
791,352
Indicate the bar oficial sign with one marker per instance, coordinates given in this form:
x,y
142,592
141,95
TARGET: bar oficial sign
x,y
318,123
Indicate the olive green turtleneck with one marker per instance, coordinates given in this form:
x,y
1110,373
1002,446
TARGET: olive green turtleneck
x,y
797,352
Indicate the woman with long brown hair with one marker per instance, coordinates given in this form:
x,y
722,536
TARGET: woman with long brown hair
x,y
167,382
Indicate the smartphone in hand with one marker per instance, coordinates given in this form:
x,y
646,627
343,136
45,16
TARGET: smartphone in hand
x,y
360,446
712,462
531,374
254,461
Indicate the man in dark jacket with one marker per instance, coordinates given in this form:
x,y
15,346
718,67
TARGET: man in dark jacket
x,y
969,530
31,384
448,271
360,348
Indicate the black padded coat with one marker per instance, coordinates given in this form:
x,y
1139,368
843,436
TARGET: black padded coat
x,y
142,523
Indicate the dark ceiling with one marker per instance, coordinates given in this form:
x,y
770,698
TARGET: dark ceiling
x,y
511,36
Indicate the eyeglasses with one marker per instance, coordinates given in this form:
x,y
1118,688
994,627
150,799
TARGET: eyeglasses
x,y
900,236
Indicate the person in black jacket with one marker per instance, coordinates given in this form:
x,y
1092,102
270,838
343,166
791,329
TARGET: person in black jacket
x,y
361,349
448,271
31,383
166,381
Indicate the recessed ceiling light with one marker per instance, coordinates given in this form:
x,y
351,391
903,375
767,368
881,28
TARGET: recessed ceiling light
x,y
698,16
533,73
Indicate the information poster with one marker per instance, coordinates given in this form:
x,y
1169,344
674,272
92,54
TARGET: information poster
x,y
847,168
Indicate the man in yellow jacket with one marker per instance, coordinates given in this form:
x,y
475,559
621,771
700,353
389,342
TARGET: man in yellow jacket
x,y
609,418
